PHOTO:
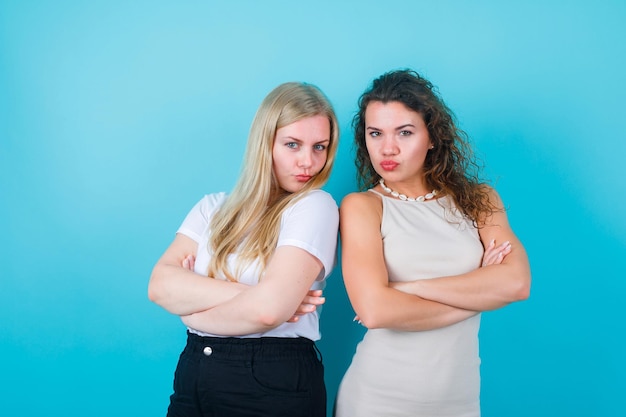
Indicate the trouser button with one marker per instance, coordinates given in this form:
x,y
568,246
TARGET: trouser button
x,y
207,351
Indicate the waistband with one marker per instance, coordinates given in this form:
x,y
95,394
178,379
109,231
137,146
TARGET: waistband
x,y
244,348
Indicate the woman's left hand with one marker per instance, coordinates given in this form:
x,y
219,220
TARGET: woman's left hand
x,y
189,262
309,304
495,254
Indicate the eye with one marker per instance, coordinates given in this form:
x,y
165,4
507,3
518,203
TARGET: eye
x,y
405,133
319,147
374,134
291,145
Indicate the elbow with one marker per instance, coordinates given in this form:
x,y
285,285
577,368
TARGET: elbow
x,y
371,312
269,319
153,294
155,290
375,324
524,292
371,319
370,324
522,289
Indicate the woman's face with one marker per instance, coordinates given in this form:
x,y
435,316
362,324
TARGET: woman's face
x,y
300,151
397,141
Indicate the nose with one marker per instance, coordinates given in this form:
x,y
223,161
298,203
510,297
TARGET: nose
x,y
306,159
388,146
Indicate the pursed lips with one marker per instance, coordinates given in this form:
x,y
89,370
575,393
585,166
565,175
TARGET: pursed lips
x,y
389,165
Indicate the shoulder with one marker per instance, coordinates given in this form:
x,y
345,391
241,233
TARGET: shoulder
x,y
361,201
492,196
215,199
360,221
314,207
496,213
199,217
362,210
318,199
209,204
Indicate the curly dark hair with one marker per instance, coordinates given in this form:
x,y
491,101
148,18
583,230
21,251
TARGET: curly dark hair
x,y
450,167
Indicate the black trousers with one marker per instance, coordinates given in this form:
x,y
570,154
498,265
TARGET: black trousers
x,y
236,377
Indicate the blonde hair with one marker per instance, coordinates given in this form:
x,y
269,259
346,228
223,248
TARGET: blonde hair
x,y
248,222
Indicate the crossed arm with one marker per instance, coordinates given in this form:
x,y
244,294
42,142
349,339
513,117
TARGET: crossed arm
x,y
230,308
426,304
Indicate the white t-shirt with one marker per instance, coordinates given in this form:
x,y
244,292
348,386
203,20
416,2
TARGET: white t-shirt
x,y
310,224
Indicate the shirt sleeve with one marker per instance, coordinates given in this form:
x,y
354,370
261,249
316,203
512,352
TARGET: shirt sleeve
x,y
197,221
311,224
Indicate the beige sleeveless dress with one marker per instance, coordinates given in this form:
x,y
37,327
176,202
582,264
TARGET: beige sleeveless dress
x,y
429,373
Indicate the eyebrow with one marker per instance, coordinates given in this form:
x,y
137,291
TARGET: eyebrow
x,y
397,128
300,140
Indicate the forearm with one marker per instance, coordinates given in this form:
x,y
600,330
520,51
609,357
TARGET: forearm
x,y
487,288
393,309
253,311
218,321
183,292
267,305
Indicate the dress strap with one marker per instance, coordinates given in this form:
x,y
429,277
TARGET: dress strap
x,y
376,192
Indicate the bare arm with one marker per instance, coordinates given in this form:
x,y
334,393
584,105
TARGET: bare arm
x,y
286,282
181,291
311,300
376,303
490,287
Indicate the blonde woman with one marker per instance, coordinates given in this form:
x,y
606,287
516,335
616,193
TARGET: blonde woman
x,y
260,255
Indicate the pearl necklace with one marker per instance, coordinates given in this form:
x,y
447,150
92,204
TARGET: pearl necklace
x,y
403,197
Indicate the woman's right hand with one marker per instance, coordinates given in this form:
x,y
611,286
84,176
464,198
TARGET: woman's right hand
x,y
495,254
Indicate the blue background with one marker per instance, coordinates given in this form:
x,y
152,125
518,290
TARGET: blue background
x,y
116,117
